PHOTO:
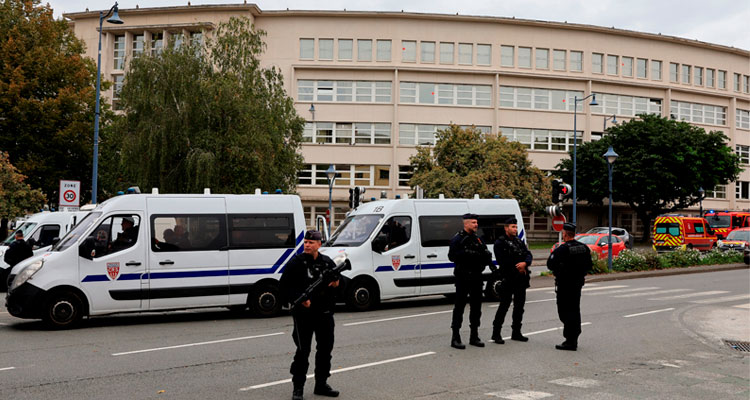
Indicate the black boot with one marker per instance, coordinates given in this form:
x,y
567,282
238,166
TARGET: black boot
x,y
496,337
474,339
456,341
297,393
518,336
567,346
324,389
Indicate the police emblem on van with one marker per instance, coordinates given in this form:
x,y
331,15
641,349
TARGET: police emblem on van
x,y
396,262
113,270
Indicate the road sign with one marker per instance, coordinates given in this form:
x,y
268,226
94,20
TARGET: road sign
x,y
557,223
70,193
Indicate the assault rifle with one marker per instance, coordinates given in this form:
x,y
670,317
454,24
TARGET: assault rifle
x,y
328,276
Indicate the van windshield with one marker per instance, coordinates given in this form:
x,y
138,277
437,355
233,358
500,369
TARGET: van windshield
x,y
26,228
72,237
719,221
355,230
669,228
739,235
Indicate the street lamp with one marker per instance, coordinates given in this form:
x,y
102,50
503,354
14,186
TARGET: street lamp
x,y
576,100
611,156
700,193
331,176
115,19
614,121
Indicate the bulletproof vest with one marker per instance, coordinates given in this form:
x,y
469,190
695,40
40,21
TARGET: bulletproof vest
x,y
580,256
517,249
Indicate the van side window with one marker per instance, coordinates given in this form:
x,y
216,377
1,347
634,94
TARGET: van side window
x,y
188,232
261,231
439,230
115,233
698,228
43,237
394,233
491,227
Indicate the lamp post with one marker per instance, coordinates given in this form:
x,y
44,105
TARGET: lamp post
x,y
331,176
115,19
610,156
576,100
700,193
614,121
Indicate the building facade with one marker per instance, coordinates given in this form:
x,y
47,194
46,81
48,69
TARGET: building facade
x,y
374,85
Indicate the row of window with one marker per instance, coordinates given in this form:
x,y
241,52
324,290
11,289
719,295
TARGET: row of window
x,y
688,74
700,113
742,118
344,91
445,94
155,45
346,175
541,139
425,134
561,59
539,99
742,188
347,133
615,104
624,66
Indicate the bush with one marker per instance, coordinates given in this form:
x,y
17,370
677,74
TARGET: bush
x,y
681,258
716,256
634,260
629,260
598,266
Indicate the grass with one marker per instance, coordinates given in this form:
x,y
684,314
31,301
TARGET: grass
x,y
541,245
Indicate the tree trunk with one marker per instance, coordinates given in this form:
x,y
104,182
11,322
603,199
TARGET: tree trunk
x,y
3,228
646,221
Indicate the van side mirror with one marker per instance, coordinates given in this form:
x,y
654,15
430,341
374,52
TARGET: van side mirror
x,y
87,249
54,240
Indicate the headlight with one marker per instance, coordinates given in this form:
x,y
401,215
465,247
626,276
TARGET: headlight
x,y
719,242
26,274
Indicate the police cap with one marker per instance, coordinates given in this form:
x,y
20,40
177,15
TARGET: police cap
x,y
511,221
569,226
470,216
313,235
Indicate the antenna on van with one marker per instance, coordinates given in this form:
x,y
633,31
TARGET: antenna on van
x,y
257,191
441,196
207,191
476,196
154,190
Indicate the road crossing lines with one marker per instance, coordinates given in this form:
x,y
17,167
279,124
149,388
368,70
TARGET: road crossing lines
x,y
651,293
518,394
742,306
689,295
575,381
722,299
620,291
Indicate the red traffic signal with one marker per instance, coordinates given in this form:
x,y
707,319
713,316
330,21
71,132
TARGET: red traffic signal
x,y
566,191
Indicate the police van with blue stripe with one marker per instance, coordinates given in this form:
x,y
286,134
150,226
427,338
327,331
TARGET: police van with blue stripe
x,y
148,252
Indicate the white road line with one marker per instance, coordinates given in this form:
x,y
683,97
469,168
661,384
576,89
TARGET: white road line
x,y
7,368
624,291
372,364
722,299
518,394
575,381
196,344
545,331
651,293
528,302
689,295
648,312
4,324
589,289
743,306
397,318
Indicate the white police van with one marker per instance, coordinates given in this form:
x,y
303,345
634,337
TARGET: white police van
x,y
41,231
144,252
399,248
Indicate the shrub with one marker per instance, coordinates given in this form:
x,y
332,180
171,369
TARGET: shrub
x,y
629,260
599,266
716,256
681,258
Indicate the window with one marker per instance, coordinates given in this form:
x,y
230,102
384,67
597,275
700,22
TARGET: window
x,y
364,50
345,49
188,232
542,59
722,81
686,74
119,80
743,152
465,53
655,70
597,62
641,68
558,60
627,66
626,105
196,38
446,53
718,192
524,57
506,56
119,52
350,175
541,139
670,228
157,43
395,233
138,44
427,52
743,119
710,77
405,172
438,231
347,133
325,49
177,40
408,51
742,190
261,231
484,54
384,50
306,49
700,113
746,85
424,134
674,72
344,91
612,67
446,94
543,99
736,82
698,77
576,61
43,236
115,233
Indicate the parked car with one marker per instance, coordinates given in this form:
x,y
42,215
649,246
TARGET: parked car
x,y
598,243
621,232
738,239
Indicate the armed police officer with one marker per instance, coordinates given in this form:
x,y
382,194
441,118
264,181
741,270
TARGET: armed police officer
x,y
513,259
570,263
470,254
312,316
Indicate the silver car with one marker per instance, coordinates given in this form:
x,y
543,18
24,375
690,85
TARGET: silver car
x,y
621,232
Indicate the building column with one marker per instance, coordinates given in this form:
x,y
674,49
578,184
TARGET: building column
x,y
394,134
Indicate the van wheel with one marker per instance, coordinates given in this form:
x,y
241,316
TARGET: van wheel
x,y
362,295
264,300
492,291
63,310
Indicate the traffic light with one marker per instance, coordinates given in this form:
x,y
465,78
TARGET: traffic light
x,y
566,191
554,211
351,198
355,196
556,190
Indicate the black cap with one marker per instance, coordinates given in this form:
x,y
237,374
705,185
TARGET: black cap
x,y
313,235
511,221
470,216
569,226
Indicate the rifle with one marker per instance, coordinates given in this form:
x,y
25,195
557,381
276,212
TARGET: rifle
x,y
328,276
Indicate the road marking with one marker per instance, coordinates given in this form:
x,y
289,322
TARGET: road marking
x,y
672,363
651,293
743,306
686,296
722,299
648,312
196,344
546,330
7,368
372,364
624,291
575,381
528,302
397,318
589,289
517,394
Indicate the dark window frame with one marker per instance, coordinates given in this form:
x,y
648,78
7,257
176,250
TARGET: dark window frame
x,y
438,242
290,243
218,246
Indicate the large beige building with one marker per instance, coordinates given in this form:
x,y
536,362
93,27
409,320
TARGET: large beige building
x,y
381,83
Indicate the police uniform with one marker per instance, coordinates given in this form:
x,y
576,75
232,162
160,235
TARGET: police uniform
x,y
17,251
301,271
510,251
570,263
470,255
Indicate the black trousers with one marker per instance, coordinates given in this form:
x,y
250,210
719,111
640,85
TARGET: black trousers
x,y
514,292
305,325
468,290
569,311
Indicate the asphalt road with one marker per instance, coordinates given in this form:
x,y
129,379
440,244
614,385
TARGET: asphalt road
x,y
651,338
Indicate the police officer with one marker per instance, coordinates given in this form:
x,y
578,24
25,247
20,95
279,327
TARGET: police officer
x,y
570,263
313,316
17,251
514,259
470,254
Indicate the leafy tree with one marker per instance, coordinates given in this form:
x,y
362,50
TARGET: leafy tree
x,y
465,162
46,96
662,163
197,117
16,197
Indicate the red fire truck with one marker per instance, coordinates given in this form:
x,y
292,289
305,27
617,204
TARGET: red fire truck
x,y
723,222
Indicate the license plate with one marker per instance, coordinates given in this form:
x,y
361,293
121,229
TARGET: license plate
x,y
659,242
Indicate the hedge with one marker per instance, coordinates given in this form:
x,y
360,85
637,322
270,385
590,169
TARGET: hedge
x,y
640,260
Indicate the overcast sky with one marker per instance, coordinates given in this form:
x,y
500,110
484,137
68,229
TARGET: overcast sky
x,y
725,22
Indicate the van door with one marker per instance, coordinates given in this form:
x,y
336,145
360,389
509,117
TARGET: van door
x,y
112,261
188,256
395,254
436,270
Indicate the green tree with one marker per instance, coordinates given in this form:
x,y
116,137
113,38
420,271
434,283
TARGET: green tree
x,y
16,197
46,96
197,117
465,162
662,163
